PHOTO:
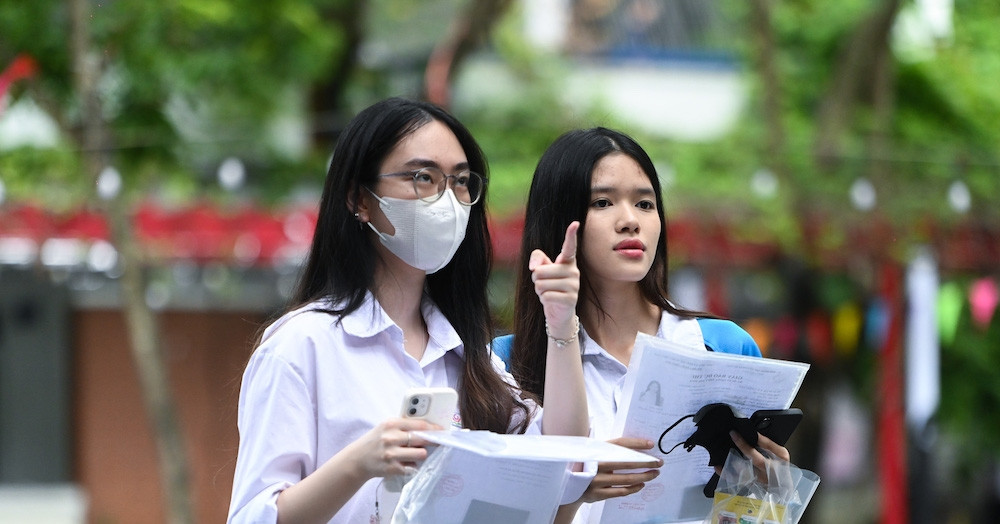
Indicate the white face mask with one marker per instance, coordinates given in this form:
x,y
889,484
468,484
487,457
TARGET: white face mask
x,y
427,234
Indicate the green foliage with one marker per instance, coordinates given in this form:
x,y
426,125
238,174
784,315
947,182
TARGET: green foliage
x,y
183,84
516,127
21,170
970,388
942,128
40,29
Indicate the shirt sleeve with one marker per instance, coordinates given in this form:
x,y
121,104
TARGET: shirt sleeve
x,y
277,427
577,482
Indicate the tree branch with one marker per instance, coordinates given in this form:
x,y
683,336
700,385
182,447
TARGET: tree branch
x,y
468,31
852,74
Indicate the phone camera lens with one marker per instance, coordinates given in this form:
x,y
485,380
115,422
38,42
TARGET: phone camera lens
x,y
412,411
414,401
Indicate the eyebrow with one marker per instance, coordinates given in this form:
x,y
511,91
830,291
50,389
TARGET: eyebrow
x,y
417,163
646,190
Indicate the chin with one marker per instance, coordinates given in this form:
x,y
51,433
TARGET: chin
x,y
632,276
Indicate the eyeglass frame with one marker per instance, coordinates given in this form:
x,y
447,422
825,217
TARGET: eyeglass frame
x,y
445,178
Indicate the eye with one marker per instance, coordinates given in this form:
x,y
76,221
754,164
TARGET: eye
x,y
462,179
423,177
600,203
647,205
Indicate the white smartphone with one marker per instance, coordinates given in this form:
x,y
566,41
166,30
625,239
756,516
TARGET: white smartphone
x,y
435,405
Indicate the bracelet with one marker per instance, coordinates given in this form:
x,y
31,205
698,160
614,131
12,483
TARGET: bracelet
x,y
562,342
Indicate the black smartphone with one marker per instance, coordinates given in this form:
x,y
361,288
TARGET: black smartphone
x,y
776,424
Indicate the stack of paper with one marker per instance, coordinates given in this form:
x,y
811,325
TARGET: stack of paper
x,y
485,478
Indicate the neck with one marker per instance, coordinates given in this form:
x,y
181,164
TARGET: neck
x,y
625,313
399,290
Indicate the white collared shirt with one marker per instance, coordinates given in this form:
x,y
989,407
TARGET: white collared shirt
x,y
604,376
314,385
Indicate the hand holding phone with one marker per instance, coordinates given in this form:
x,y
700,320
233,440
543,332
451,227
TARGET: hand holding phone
x,y
715,421
435,405
776,424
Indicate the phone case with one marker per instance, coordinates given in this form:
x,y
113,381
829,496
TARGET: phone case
x,y
776,424
435,405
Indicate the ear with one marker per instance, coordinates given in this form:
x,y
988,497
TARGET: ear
x,y
358,203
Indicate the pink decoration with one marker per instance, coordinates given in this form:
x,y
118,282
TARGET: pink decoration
x,y
983,297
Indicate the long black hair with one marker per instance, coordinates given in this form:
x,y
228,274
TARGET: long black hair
x,y
560,194
342,259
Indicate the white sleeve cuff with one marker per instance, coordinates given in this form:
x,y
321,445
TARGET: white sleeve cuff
x,y
263,507
577,482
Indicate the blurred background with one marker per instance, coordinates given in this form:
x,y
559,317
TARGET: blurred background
x,y
830,169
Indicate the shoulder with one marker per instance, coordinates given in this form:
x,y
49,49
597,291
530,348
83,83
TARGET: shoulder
x,y
502,347
297,331
725,336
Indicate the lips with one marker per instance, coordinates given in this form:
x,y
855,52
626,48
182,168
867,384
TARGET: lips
x,y
630,244
630,248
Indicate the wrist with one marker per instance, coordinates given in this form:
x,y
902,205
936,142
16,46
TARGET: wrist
x,y
564,337
351,464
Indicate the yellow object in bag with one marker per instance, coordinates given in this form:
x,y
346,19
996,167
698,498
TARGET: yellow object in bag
x,y
744,497
734,509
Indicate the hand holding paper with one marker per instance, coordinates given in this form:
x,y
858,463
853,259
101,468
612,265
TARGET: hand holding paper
x,y
617,479
488,478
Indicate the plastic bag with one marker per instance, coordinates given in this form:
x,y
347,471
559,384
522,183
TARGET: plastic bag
x,y
743,498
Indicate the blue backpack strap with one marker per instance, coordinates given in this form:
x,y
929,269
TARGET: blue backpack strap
x,y
725,336
502,347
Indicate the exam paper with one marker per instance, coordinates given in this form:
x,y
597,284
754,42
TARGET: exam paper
x,y
687,379
479,477
535,447
456,486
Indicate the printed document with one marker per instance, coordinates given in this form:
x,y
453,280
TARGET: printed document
x,y
479,477
686,379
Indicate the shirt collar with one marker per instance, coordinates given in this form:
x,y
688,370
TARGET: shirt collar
x,y
370,319
442,333
682,331
587,345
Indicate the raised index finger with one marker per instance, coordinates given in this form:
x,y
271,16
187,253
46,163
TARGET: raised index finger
x,y
568,252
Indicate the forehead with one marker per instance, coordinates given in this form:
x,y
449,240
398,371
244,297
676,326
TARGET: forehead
x,y
432,144
619,172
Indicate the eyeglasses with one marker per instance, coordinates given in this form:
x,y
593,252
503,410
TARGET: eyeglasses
x,y
429,184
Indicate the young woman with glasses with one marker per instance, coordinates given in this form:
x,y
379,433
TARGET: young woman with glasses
x,y
393,296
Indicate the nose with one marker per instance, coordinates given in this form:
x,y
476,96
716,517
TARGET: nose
x,y
627,220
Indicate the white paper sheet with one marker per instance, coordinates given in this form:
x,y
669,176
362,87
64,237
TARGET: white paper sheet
x,y
456,486
478,477
535,447
688,379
